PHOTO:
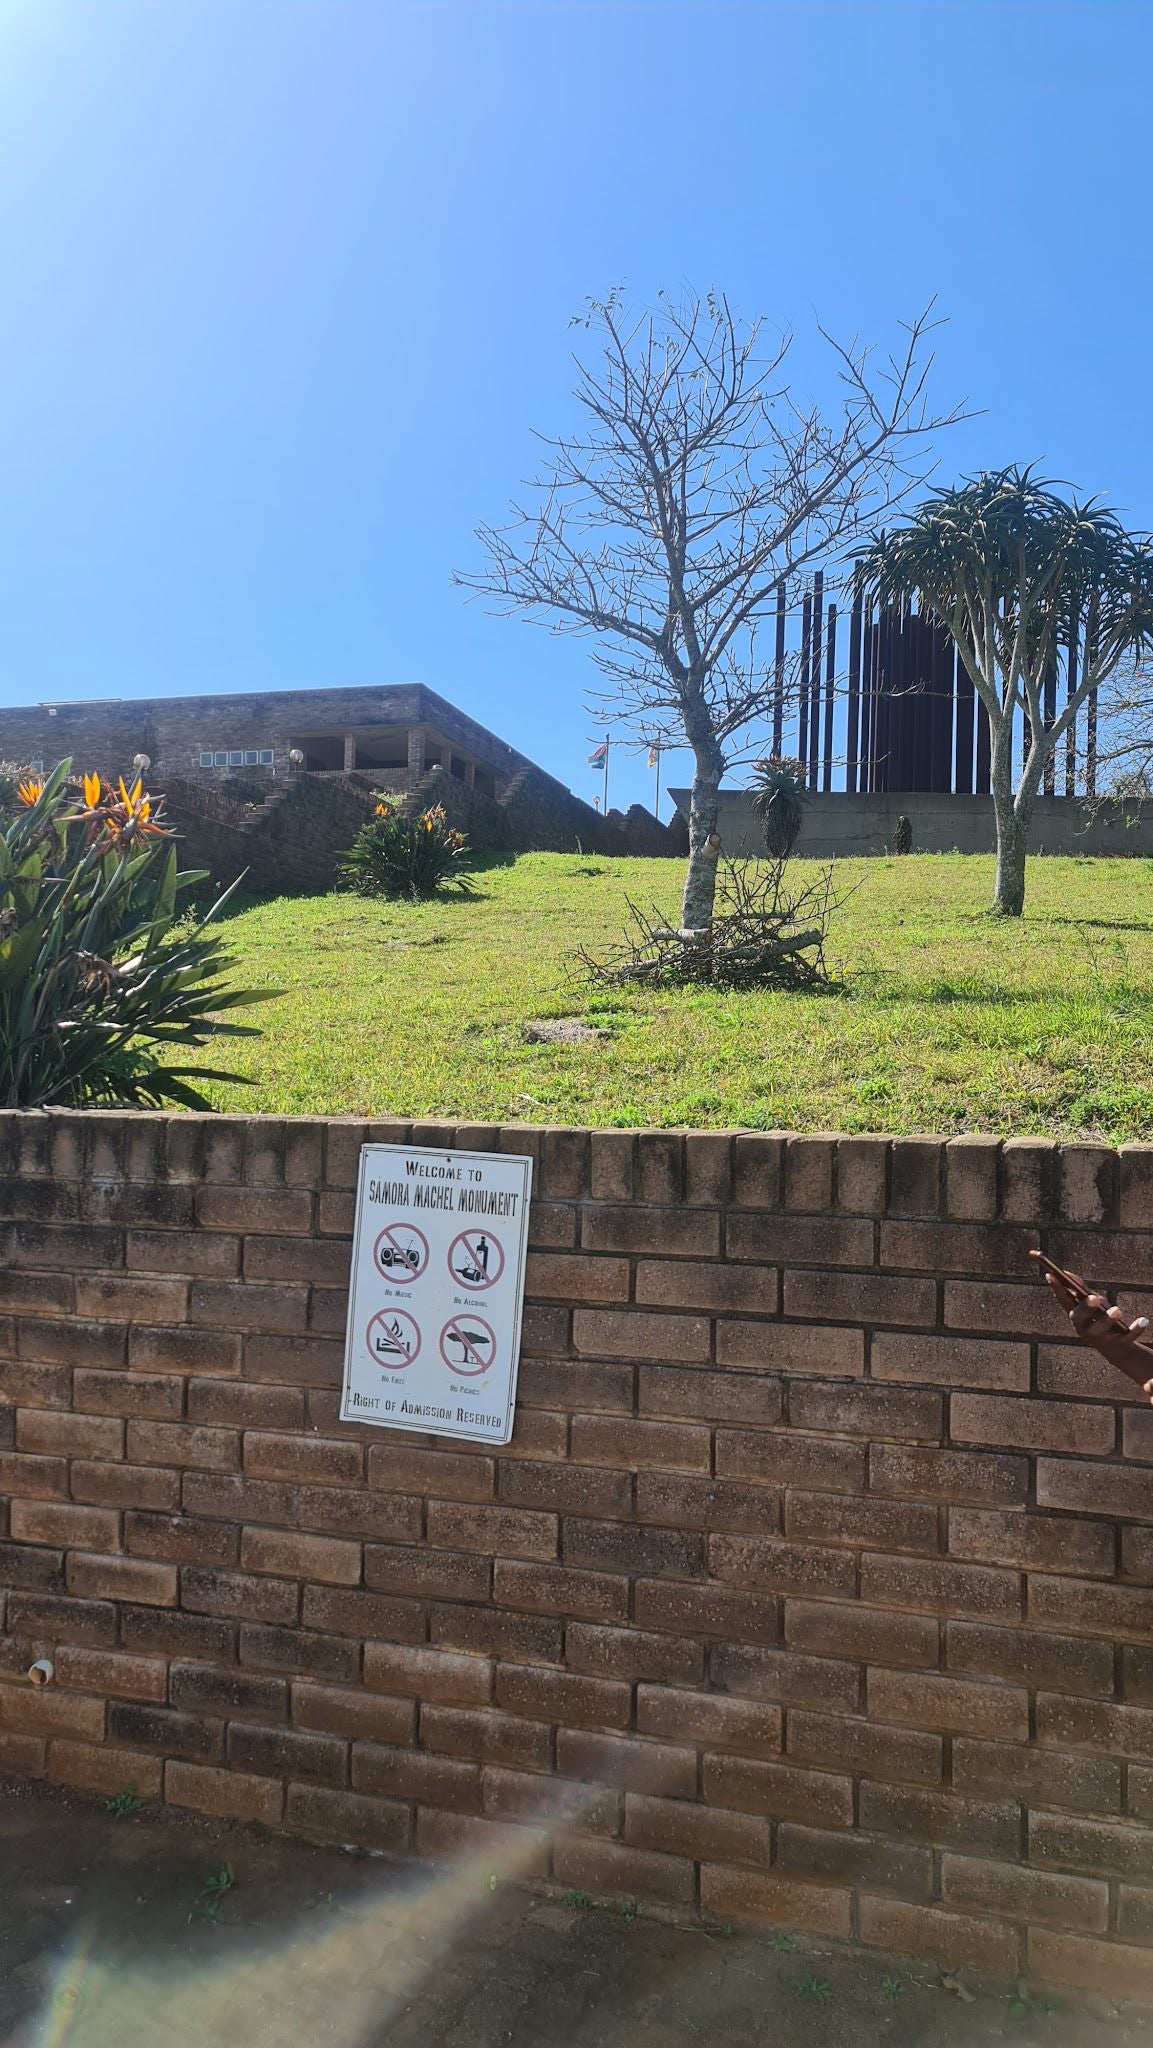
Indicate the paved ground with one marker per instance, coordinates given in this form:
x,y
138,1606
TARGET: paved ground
x,y
124,1929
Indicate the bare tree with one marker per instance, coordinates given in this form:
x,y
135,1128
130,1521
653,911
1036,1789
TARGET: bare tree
x,y
697,479
1026,583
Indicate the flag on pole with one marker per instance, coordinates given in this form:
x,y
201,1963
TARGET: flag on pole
x,y
655,754
599,755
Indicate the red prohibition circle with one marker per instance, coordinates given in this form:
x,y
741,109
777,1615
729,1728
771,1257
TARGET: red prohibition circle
x,y
392,1260
461,1260
466,1370
403,1348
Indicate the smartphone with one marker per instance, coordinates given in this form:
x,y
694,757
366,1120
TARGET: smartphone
x,y
1072,1281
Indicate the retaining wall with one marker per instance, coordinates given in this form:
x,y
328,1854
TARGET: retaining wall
x,y
815,1588
838,826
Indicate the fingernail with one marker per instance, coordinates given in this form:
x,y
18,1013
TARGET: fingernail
x,y
1142,1323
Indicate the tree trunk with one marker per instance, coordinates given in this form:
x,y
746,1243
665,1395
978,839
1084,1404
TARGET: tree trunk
x,y
704,842
1012,842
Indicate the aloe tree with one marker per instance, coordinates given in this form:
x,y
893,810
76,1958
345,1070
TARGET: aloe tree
x,y
1028,583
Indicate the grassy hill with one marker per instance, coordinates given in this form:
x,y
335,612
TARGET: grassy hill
x,y
943,1018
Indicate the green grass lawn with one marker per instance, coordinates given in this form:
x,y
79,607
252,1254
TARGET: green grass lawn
x,y
943,1019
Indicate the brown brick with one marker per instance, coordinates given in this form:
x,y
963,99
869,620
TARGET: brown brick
x,y
230,1795
614,1867
994,1250
412,1774
785,1457
154,1395
575,1276
108,1671
537,1434
1027,1656
1024,1310
710,1719
70,1436
129,1298
580,1702
855,1859
922,1699
448,1475
526,1796
784,1675
71,1342
419,1672
159,1728
1112,1847
1091,1608
484,1735
851,1521
808,1172
65,1250
1122,1490
205,1590
1139,1791
678,1501
333,1816
845,1744
54,1616
228,1692
25,1755
774,1240
295,1361
509,1532
315,1459
952,1361
633,1653
296,1650
497,1632
325,1558
612,1166
35,1570
687,1233
125,1486
1071,1369
707,1610
228,1497
122,1578
1033,1541
249,1305
629,1764
708,1167
336,1710
971,1178
675,1827
37,1478
234,1404
1104,1966
34,1386
162,1632
951,1940
563,1488
1064,1723
1004,1770
708,1395
780,1790
772,1901
868,1411
623,1547
284,1753
174,1443
792,1348
869,1634
344,1511
552,1225
191,1252
97,1769
554,1383
342,1610
941,1818
322,1261
434,1574
941,1587
1137,1555
869,1298
59,1522
271,1210
33,1293
450,1837
1134,1912
984,1478
785,1567
1015,1894
184,1350
558,1589
696,1283
637,1333
605,1440
36,1710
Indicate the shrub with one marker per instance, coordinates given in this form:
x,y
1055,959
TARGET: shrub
x,y
101,981
779,799
394,855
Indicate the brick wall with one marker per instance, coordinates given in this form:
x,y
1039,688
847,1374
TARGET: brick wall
x,y
815,1588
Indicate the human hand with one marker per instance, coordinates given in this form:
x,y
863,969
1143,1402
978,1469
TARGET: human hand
x,y
1118,1340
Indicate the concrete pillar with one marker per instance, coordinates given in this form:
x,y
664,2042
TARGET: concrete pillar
x,y
415,753
349,752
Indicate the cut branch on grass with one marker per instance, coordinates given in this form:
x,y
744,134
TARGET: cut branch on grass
x,y
763,934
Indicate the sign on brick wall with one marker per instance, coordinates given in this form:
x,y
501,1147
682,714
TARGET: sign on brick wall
x,y
434,1315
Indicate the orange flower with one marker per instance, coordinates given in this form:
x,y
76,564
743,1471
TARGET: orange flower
x,y
92,791
30,792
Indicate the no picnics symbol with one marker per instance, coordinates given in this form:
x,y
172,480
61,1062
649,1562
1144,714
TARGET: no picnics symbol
x,y
401,1252
393,1339
468,1345
476,1259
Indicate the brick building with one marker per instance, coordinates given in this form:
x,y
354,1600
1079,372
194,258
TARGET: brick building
x,y
396,732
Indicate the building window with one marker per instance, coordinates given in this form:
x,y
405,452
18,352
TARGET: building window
x,y
206,760
237,757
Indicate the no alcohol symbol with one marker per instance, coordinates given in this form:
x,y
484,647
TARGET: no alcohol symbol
x,y
393,1339
468,1345
476,1259
401,1252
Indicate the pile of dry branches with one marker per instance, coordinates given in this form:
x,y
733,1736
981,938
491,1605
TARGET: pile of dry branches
x,y
762,936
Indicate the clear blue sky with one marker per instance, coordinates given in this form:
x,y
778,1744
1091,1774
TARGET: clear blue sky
x,y
286,284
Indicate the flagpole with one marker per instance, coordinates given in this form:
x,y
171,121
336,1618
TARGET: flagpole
x,y
608,743
657,785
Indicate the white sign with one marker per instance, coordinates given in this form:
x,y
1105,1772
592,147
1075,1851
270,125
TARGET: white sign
x,y
434,1312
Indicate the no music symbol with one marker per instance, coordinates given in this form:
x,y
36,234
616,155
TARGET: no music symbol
x,y
401,1252
468,1345
393,1339
476,1259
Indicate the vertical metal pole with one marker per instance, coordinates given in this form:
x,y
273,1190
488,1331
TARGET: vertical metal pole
x,y
779,674
1049,711
1091,720
1071,728
966,709
815,699
803,712
852,736
608,744
830,677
